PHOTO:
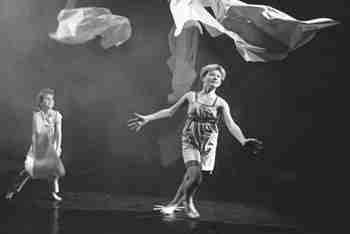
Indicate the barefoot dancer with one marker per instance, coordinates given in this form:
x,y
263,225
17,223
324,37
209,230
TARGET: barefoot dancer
x,y
199,136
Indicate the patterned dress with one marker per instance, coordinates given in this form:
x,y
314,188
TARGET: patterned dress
x,y
200,133
42,160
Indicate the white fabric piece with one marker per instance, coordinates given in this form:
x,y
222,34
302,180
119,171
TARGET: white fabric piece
x,y
79,25
182,61
257,30
260,33
193,10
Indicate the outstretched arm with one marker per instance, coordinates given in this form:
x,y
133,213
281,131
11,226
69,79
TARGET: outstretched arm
x,y
252,145
234,129
141,120
168,112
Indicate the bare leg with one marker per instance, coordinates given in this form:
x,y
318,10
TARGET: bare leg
x,y
193,183
191,207
192,176
180,195
56,186
56,190
19,181
186,192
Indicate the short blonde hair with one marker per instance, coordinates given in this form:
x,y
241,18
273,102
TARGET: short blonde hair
x,y
41,94
212,67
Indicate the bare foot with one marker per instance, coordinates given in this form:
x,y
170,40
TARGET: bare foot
x,y
56,197
9,195
168,209
192,214
191,210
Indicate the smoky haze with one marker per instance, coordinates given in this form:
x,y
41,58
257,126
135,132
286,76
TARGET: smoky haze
x,y
282,103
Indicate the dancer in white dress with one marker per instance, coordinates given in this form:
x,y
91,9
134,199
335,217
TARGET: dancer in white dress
x,y
43,158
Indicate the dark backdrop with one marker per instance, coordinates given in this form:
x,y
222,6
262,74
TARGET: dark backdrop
x,y
293,105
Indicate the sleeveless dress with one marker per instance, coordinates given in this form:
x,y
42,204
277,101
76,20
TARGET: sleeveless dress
x,y
42,160
200,133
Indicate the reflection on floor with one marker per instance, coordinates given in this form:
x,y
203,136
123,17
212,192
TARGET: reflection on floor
x,y
103,213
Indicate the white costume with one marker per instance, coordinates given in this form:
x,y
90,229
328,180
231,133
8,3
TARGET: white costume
x,y
42,160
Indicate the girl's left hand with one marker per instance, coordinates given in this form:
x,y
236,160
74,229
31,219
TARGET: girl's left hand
x,y
59,151
253,146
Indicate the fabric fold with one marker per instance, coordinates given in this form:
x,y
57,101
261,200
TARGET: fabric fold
x,y
182,61
79,25
261,33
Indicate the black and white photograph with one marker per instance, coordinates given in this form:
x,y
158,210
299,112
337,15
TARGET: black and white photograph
x,y
173,116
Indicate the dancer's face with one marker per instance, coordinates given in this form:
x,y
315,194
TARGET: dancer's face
x,y
213,78
48,101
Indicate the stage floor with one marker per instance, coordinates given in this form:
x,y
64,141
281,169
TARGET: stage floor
x,y
105,213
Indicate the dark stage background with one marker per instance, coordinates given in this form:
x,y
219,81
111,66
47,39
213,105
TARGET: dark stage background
x,y
292,105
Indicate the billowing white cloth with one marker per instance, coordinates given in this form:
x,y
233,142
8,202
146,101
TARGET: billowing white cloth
x,y
79,25
182,61
261,33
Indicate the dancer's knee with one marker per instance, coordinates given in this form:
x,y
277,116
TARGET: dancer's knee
x,y
198,176
194,174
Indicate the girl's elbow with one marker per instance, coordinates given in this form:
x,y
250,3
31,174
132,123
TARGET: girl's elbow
x,y
170,113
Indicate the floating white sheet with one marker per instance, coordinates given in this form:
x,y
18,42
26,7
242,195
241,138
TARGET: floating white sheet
x,y
260,34
182,61
79,25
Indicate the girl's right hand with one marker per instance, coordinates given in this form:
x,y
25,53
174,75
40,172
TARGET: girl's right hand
x,y
138,122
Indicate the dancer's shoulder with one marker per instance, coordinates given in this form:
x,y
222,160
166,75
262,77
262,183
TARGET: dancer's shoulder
x,y
58,115
190,96
221,102
191,93
36,113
